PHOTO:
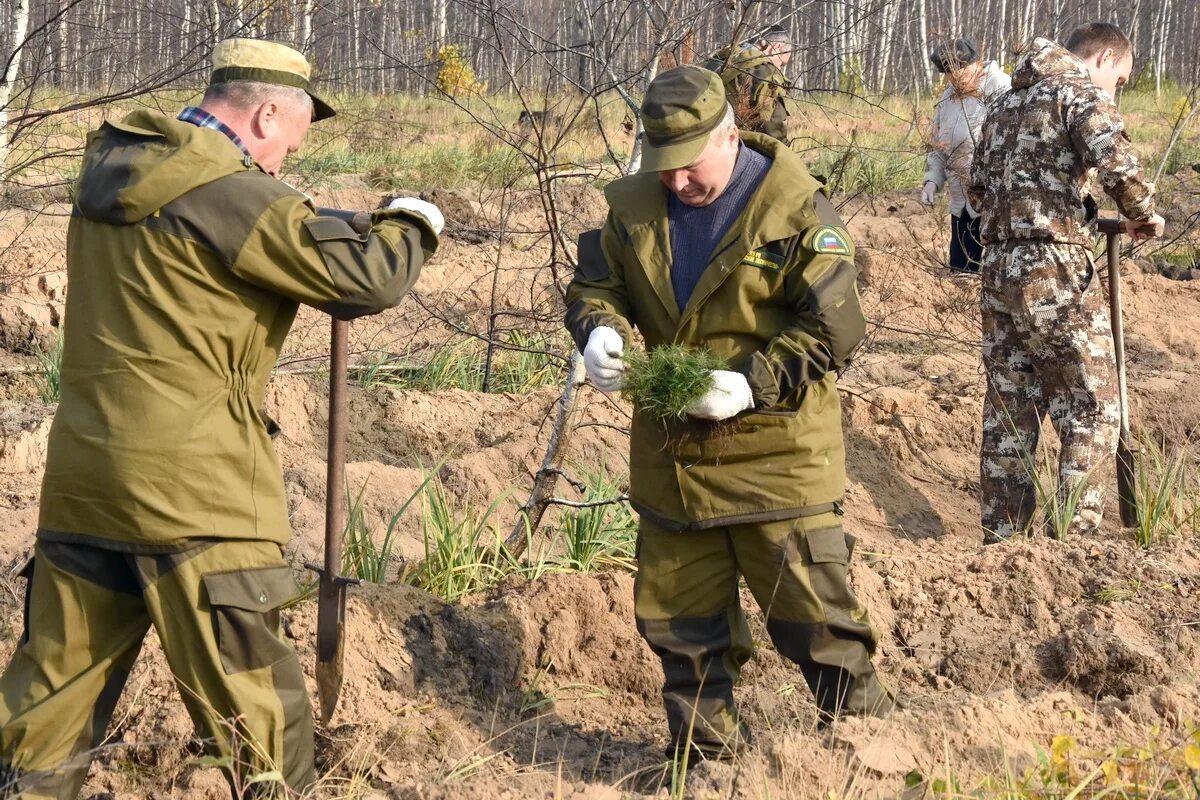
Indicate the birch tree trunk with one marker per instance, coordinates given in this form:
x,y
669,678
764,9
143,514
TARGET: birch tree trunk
x,y
924,43
1002,35
306,24
20,24
439,24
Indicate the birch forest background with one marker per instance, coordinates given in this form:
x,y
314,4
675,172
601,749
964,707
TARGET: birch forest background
x,y
113,46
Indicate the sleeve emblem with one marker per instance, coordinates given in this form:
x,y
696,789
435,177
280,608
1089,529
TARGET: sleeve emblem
x,y
830,240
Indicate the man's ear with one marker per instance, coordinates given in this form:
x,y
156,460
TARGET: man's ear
x,y
265,118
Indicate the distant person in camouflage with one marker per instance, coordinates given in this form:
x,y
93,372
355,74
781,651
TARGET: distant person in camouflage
x,y
1047,338
724,241
755,85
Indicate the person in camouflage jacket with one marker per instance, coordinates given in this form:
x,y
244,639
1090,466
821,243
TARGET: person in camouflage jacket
x,y
755,84
1047,337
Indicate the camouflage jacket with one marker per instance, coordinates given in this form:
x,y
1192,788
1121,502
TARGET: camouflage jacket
x,y
186,264
776,301
1038,148
756,88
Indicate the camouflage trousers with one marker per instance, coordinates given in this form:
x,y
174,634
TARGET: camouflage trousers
x,y
1047,349
688,610
215,608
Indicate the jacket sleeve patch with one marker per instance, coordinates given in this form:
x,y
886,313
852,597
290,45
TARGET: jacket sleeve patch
x,y
331,229
830,240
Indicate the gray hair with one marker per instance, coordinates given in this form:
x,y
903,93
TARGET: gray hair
x,y
776,34
728,120
247,95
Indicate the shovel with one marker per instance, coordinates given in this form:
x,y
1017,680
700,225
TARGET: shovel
x,y
331,596
1126,487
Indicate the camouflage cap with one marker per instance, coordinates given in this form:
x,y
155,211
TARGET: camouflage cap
x,y
682,106
266,62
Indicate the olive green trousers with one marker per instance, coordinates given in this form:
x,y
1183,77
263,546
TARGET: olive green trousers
x,y
688,610
215,607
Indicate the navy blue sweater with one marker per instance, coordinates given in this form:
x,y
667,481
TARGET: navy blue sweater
x,y
695,232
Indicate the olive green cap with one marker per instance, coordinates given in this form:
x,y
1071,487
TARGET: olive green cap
x,y
682,106
258,60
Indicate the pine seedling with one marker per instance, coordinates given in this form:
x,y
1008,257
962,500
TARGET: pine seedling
x,y
665,382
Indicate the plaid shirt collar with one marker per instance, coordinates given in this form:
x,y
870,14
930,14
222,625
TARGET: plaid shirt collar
x,y
203,119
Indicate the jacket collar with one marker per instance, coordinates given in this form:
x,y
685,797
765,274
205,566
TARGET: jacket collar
x,y
780,208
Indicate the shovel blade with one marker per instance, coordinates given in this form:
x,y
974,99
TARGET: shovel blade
x,y
1126,485
331,616
329,685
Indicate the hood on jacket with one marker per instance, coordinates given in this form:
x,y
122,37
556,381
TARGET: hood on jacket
x,y
1046,59
134,167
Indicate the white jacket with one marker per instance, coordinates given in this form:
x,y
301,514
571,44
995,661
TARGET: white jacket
x,y
955,130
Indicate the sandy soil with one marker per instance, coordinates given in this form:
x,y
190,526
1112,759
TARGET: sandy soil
x,y
543,688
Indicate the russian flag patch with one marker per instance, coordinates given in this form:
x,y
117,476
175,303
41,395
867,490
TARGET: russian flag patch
x,y
830,240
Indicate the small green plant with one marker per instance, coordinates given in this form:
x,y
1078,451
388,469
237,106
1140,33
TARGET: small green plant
x,y
464,551
1056,503
1118,592
48,377
521,363
1166,767
536,696
601,536
362,557
1166,499
524,362
665,382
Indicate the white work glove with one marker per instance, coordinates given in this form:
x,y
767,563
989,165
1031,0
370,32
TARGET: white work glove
x,y
602,359
928,193
1145,229
729,395
428,211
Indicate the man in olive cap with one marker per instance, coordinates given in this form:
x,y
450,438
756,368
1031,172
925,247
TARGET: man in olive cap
x,y
724,241
755,85
163,502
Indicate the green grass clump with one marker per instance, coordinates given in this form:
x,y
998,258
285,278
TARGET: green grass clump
x,y
665,382
47,380
521,363
597,537
1167,497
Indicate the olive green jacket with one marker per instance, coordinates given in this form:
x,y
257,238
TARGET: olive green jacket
x,y
777,301
757,90
185,266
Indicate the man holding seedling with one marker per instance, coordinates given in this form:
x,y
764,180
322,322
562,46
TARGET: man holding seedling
x,y
755,85
1047,337
724,241
162,504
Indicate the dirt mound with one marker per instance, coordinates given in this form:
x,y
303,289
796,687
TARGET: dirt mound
x,y
543,688
1029,615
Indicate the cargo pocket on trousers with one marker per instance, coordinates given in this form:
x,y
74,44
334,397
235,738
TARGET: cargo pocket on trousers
x,y
26,573
829,556
245,609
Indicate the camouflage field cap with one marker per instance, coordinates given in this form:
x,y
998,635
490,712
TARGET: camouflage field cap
x,y
682,106
265,62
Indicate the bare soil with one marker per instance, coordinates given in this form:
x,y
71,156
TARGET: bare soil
x,y
544,689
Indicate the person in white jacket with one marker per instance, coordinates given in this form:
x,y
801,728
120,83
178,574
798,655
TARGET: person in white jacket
x,y
971,85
